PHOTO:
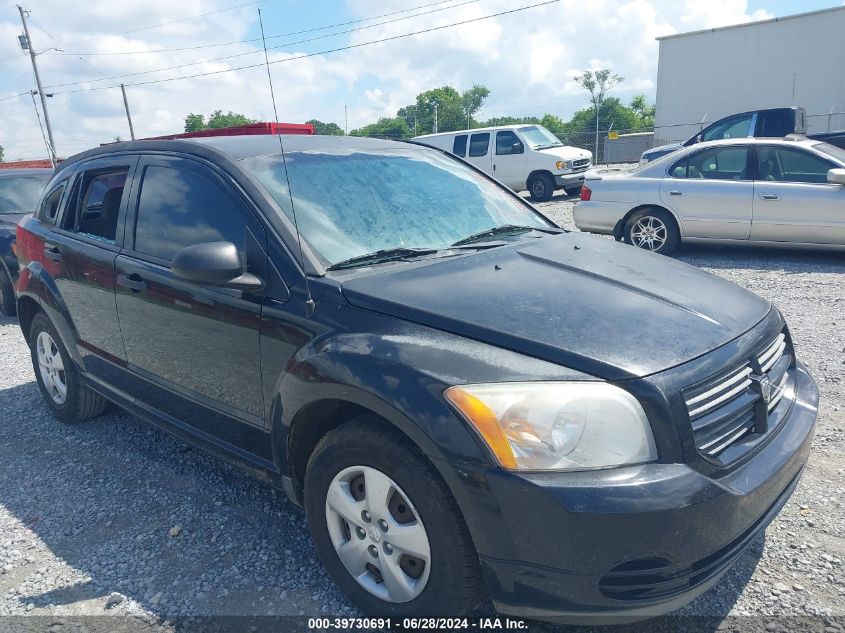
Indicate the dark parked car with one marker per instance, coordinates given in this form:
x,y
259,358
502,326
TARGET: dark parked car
x,y
466,400
19,193
767,123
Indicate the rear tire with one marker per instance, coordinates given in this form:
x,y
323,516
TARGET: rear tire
x,y
7,294
347,470
541,187
653,230
61,384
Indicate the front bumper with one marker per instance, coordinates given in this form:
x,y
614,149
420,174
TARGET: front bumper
x,y
574,179
637,542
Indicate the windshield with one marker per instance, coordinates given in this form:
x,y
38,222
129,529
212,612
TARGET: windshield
x,y
831,150
354,202
539,137
20,195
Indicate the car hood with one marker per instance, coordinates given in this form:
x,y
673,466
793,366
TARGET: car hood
x,y
587,303
566,152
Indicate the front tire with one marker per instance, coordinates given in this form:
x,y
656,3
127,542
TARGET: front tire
x,y
541,187
61,384
387,527
653,230
7,294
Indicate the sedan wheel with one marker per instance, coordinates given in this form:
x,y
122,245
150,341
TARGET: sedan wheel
x,y
652,229
649,233
51,367
378,534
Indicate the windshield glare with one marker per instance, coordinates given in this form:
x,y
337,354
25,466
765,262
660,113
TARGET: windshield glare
x,y
538,136
20,195
354,202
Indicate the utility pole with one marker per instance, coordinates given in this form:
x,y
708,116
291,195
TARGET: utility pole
x,y
128,116
598,106
41,94
435,117
346,120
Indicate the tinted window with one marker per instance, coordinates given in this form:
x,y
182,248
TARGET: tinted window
x,y
97,209
19,195
777,123
50,205
735,127
788,164
459,148
721,163
479,143
180,207
352,203
508,143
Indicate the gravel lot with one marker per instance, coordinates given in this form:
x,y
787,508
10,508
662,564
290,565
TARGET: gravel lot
x,y
114,517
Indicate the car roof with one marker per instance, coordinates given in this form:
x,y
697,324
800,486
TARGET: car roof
x,y
32,171
758,140
511,126
239,147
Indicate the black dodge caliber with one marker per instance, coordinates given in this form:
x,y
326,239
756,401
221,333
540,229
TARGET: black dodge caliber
x,y
467,401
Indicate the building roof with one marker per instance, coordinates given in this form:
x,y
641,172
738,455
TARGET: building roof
x,y
27,164
754,23
510,126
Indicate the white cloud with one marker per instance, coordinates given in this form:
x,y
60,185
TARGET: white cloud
x,y
527,59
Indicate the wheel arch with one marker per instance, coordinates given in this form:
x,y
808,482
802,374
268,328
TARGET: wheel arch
x,y
538,172
619,228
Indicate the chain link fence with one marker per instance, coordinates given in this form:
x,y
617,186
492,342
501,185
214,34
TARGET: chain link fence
x,y
611,146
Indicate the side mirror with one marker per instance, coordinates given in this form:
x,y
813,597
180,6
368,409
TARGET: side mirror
x,y
214,264
836,176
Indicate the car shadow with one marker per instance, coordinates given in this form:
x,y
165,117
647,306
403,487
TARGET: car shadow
x,y
761,258
101,500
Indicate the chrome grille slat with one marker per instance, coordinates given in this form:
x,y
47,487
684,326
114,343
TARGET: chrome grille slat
x,y
724,409
745,384
742,373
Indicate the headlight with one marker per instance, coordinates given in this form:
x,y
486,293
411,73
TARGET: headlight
x,y
557,425
562,164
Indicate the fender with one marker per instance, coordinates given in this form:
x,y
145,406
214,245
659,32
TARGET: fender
x,y
35,283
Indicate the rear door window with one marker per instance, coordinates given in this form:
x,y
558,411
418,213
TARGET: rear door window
x,y
734,127
719,163
97,209
479,144
459,147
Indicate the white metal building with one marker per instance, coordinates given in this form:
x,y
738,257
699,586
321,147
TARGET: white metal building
x,y
793,60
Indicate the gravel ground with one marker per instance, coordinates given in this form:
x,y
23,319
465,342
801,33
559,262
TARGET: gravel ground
x,y
113,517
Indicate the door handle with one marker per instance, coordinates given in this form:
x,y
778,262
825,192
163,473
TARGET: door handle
x,y
769,196
133,282
675,192
53,253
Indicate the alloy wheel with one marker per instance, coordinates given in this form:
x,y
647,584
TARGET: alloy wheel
x,y
649,232
377,534
51,367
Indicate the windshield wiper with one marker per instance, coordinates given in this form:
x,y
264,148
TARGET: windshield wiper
x,y
386,255
548,145
511,229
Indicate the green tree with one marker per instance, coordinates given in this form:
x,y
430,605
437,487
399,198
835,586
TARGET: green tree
x,y
496,121
450,111
611,113
390,127
326,129
195,123
644,110
472,100
216,120
553,124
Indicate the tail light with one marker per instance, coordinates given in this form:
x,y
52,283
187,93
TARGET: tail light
x,y
586,193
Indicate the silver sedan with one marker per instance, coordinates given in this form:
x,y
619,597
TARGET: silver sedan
x,y
777,192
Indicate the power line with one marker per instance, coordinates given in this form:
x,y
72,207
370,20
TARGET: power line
x,y
155,26
258,39
288,44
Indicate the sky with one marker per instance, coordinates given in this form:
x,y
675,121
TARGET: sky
x,y
527,58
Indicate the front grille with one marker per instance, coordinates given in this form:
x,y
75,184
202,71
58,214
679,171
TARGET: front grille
x,y
740,401
581,163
